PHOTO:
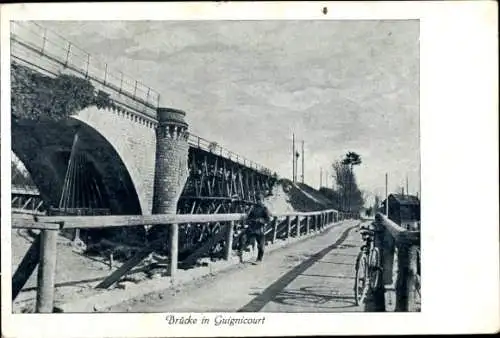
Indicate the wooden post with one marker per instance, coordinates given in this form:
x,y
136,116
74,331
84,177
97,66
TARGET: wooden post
x,y
275,228
406,278
46,272
289,228
388,258
297,230
402,287
173,245
386,195
308,218
375,301
229,240
412,278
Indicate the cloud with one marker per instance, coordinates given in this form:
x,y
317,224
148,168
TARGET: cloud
x,y
339,85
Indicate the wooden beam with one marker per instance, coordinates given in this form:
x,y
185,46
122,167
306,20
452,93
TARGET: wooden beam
x,y
26,267
400,234
122,270
36,225
71,222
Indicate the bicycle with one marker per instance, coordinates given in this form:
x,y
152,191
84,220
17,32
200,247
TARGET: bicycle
x,y
368,267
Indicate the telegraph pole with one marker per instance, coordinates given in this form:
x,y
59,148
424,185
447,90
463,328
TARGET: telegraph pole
x,y
293,158
320,177
302,161
407,191
386,196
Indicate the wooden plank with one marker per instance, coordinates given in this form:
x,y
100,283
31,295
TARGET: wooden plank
x,y
229,240
122,270
26,267
47,272
35,225
118,221
400,234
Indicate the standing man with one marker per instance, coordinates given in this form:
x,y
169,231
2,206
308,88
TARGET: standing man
x,y
257,219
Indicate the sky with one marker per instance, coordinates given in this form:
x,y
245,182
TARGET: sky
x,y
338,85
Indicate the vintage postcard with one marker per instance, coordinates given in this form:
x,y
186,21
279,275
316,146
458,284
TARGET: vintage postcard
x,y
249,169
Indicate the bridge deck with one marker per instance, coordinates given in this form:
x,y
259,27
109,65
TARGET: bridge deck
x,y
315,275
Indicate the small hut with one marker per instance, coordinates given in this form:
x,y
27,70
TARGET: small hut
x,y
404,210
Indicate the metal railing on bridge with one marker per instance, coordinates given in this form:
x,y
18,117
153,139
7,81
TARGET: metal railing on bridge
x,y
31,36
215,148
42,41
43,251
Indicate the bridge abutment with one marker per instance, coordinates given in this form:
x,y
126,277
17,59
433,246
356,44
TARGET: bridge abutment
x,y
171,162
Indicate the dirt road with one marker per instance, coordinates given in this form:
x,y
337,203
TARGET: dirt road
x,y
316,274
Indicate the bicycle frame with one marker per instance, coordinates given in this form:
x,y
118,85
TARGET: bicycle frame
x,y
369,257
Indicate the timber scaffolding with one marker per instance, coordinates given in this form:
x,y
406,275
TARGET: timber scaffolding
x,y
43,251
393,240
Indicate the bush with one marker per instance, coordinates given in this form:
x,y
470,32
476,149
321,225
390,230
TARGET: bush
x,y
39,97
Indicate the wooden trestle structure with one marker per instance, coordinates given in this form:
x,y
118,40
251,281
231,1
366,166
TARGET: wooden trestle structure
x,y
218,183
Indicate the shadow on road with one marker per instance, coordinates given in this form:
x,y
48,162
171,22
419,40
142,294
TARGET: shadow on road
x,y
327,276
337,263
312,296
278,286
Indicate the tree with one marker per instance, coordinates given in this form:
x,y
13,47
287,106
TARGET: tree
x,y
376,204
347,195
351,159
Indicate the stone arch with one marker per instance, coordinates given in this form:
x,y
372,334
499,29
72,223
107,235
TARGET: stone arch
x,y
44,148
133,142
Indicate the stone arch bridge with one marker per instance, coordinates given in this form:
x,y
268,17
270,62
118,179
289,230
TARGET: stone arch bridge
x,y
98,142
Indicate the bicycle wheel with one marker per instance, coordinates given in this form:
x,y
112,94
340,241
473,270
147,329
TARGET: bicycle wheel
x,y
375,268
360,282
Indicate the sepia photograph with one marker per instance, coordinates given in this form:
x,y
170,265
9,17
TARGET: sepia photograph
x,y
238,168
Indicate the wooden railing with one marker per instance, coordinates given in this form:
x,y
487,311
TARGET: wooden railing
x,y
393,240
213,147
44,249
